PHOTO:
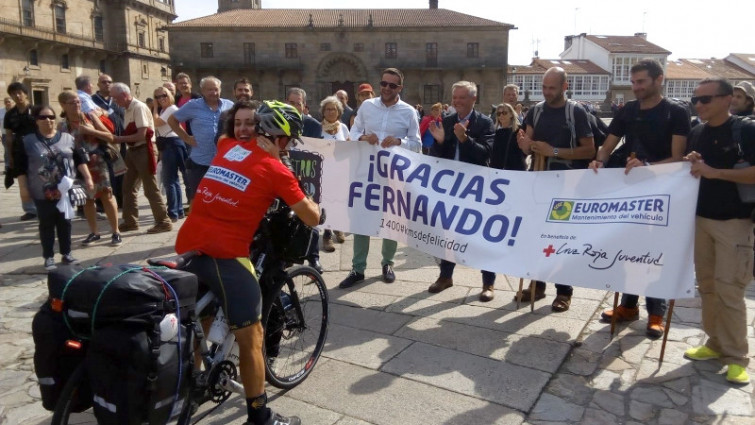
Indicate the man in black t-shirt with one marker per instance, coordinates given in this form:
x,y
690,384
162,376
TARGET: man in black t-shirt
x,y
723,229
558,130
19,122
655,131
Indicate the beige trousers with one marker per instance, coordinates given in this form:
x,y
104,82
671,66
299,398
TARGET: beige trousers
x,y
137,161
723,265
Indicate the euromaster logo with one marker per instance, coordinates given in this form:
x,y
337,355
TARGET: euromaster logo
x,y
561,210
649,210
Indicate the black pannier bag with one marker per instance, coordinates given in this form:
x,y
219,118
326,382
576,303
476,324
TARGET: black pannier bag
x,y
136,372
99,296
136,377
55,359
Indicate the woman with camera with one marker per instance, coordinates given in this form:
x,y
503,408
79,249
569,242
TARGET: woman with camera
x,y
93,137
51,159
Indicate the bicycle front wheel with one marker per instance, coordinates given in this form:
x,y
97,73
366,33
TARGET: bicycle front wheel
x,y
296,324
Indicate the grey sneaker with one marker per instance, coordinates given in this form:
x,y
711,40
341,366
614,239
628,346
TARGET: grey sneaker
x,y
92,238
68,259
50,263
116,239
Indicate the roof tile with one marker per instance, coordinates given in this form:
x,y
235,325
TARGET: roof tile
x,y
626,44
571,66
721,68
330,18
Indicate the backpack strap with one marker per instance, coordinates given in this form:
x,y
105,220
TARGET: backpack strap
x,y
569,111
537,111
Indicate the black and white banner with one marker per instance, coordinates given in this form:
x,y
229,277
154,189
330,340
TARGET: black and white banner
x,y
629,233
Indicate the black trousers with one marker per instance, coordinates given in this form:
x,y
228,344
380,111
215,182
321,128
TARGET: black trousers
x,y
50,221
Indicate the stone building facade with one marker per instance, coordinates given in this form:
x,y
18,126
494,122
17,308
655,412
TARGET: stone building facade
x,y
323,51
46,44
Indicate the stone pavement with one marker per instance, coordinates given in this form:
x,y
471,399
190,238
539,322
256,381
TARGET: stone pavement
x,y
396,354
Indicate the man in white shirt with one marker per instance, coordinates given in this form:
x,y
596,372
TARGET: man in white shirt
x,y
141,160
387,121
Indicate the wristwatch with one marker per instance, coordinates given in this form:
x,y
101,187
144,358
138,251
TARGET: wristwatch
x,y
555,152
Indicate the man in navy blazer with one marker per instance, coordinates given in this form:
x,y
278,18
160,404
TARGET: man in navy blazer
x,y
465,136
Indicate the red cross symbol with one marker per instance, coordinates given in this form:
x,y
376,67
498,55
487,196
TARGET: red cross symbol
x,y
548,251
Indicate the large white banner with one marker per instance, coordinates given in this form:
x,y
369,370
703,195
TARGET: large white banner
x,y
628,233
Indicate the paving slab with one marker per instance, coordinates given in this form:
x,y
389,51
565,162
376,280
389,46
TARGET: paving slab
x,y
366,319
374,397
510,385
533,352
360,347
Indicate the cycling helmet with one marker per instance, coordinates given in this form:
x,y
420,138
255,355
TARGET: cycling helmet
x,y
279,119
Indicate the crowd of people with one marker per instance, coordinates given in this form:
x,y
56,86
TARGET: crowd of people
x,y
112,144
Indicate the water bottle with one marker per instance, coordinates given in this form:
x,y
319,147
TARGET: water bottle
x,y
168,327
219,329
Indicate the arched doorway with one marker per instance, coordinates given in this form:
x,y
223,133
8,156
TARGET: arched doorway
x,y
340,71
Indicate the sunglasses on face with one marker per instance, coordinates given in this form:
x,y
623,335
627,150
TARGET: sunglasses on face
x,y
499,113
705,99
161,96
46,117
393,86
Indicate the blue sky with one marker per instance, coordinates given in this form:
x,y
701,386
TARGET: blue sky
x,y
691,29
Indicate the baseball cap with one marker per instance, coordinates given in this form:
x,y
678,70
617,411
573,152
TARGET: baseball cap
x,y
747,88
366,87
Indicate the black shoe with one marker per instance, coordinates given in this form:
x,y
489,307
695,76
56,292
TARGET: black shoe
x,y
27,217
315,264
69,259
388,275
352,279
92,238
276,419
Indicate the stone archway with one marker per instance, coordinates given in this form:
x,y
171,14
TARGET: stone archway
x,y
340,71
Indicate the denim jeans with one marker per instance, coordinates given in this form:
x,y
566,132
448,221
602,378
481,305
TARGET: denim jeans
x,y
655,306
447,271
560,289
174,160
194,174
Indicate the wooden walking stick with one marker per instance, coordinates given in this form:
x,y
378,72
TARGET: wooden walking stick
x,y
519,293
613,316
538,166
665,332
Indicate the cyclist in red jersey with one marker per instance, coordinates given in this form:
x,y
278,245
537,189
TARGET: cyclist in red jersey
x,y
244,178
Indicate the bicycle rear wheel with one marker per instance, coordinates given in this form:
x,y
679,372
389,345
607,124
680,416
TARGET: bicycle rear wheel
x,y
70,401
296,324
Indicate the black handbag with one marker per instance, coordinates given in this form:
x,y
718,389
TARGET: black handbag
x,y
77,195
